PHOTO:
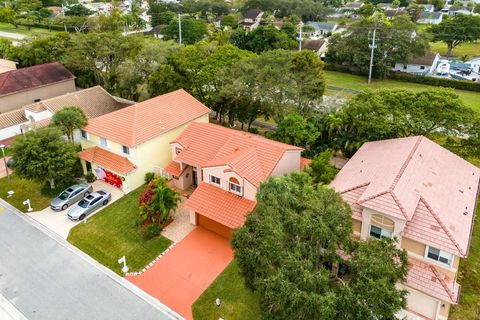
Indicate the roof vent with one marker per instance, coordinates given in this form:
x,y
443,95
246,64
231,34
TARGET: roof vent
x,y
460,190
361,171
163,128
465,213
434,279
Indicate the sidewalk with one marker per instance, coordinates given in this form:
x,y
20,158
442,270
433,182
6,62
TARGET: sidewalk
x,y
3,172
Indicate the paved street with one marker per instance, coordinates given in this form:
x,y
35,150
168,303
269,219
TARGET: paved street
x,y
44,277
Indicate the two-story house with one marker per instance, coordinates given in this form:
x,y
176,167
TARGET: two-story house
x,y
423,195
251,19
227,167
122,146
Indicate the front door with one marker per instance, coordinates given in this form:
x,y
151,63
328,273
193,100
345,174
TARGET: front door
x,y
194,177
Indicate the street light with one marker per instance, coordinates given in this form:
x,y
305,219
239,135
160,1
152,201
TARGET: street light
x,y
2,146
180,27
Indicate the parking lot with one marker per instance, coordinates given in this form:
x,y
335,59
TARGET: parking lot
x,y
58,222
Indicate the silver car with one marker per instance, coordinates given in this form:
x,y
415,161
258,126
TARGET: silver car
x,y
89,204
71,195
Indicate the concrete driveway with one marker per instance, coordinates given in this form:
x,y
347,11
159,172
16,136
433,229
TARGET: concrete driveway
x,y
58,222
188,269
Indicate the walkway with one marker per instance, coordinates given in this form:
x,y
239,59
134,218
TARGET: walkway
x,y
3,172
181,276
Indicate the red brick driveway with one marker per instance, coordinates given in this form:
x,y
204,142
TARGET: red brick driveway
x,y
182,275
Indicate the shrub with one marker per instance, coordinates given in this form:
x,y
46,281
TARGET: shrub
x,y
440,82
90,177
149,176
151,231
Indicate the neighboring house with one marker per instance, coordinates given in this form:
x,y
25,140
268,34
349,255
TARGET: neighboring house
x,y
100,7
94,102
424,65
393,13
251,19
24,86
353,6
428,7
427,17
385,6
122,146
155,32
226,167
7,65
454,10
319,29
423,195
319,46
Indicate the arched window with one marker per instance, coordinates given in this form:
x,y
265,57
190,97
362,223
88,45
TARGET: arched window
x,y
234,186
381,226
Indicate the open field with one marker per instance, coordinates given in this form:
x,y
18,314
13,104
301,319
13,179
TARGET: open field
x,y
349,81
469,49
7,27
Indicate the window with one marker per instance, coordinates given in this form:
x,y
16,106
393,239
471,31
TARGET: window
x,y
439,255
178,150
103,142
379,233
126,149
404,67
235,188
84,134
215,180
37,100
422,67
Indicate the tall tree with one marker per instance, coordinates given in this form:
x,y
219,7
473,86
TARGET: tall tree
x,y
193,30
296,130
43,155
290,240
68,120
456,30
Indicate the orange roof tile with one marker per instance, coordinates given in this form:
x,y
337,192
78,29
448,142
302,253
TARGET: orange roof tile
x,y
420,182
304,162
107,159
220,205
146,120
173,168
426,278
251,156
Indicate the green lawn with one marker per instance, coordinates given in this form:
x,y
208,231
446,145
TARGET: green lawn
x,y
349,81
7,27
470,49
24,189
237,302
469,278
112,233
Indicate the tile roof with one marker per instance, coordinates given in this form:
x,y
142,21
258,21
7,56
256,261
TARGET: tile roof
x,y
304,162
107,159
32,77
418,181
146,120
251,156
426,278
313,44
220,205
173,168
427,59
94,101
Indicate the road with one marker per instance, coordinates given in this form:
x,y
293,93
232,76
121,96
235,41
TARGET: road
x,y
44,277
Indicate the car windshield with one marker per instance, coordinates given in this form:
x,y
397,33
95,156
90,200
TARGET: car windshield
x,y
83,203
64,195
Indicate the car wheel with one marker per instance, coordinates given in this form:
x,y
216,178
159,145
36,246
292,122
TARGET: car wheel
x,y
86,193
105,202
81,217
65,206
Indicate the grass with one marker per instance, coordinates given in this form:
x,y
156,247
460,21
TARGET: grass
x,y
237,302
349,81
112,233
24,189
469,278
7,27
471,49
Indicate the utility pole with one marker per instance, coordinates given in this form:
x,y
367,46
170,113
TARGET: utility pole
x,y
180,28
300,38
372,46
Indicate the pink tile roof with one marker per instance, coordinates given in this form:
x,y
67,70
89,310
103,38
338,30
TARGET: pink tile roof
x,y
426,278
416,180
304,162
107,159
220,205
146,120
174,168
250,156
32,77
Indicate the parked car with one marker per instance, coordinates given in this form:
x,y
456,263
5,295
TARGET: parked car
x,y
89,204
71,195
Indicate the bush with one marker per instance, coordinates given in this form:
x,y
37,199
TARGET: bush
x,y
59,187
440,82
151,231
90,177
149,176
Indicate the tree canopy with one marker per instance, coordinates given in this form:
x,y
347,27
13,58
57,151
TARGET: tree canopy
x,y
68,120
456,30
193,30
291,240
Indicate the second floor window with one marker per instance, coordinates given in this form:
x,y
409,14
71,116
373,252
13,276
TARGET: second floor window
x,y
379,233
439,255
126,149
84,134
215,180
235,188
103,142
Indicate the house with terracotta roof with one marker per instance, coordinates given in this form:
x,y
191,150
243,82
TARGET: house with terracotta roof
x,y
122,146
25,86
226,167
423,195
94,102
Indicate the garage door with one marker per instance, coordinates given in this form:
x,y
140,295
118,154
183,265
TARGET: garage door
x,y
214,226
422,304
